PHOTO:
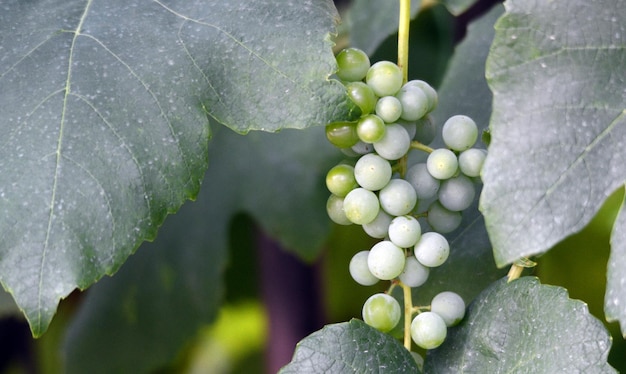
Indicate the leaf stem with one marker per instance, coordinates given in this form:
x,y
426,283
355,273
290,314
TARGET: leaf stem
x,y
403,38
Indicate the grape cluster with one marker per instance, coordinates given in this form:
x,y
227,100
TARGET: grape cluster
x,y
375,188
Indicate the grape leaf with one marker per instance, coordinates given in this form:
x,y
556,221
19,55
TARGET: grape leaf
x,y
170,288
105,120
615,297
370,22
557,70
350,347
470,267
524,327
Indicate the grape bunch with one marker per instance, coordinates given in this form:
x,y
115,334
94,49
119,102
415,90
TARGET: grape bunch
x,y
376,188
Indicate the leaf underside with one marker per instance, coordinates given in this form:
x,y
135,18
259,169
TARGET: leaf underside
x,y
104,113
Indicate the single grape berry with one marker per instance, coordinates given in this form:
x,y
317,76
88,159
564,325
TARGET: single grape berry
x,y
414,274
394,144
428,330
430,92
424,184
352,64
471,161
372,172
404,231
457,193
442,163
414,103
334,208
398,197
371,128
443,220
359,270
362,95
362,148
385,78
382,312
432,249
425,130
379,227
340,180
360,206
386,260
389,109
342,134
459,132
449,306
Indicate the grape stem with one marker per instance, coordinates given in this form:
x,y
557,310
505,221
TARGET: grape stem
x,y
403,38
422,147
408,313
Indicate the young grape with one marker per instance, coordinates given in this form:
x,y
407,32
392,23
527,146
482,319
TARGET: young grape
x,y
334,208
389,108
471,161
359,270
443,220
449,306
342,134
398,197
371,128
361,206
386,260
424,184
385,78
352,64
372,172
414,103
362,95
432,249
425,130
382,312
457,193
340,180
459,132
394,144
404,231
430,92
379,227
414,274
442,163
428,330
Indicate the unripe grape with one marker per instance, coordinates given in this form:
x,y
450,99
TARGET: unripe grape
x,y
359,270
449,306
414,274
404,231
428,330
430,92
342,134
398,197
340,180
389,109
379,227
386,260
352,64
371,128
394,144
409,126
424,184
457,193
471,161
432,249
382,312
425,131
385,78
443,220
362,95
459,132
442,163
372,172
362,148
414,103
361,206
334,208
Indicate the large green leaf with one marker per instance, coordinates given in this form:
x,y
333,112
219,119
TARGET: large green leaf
x,y
170,288
615,297
558,72
104,107
350,347
524,327
470,267
372,21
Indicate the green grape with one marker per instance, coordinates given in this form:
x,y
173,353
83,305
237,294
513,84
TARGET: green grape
x,y
414,103
449,306
372,172
340,180
362,95
398,197
430,92
362,148
371,128
361,206
379,227
424,184
389,108
386,260
457,193
471,161
382,312
342,134
385,78
394,144
425,130
352,64
459,132
432,249
414,273
443,220
334,208
404,231
409,126
428,330
359,270
442,163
